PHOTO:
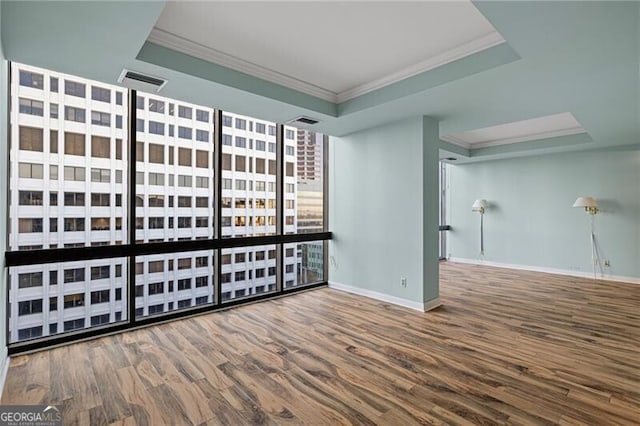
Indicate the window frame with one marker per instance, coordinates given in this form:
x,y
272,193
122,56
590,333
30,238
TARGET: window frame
x,y
135,249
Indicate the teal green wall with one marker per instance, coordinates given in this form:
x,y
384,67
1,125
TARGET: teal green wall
x,y
4,70
530,220
430,208
377,209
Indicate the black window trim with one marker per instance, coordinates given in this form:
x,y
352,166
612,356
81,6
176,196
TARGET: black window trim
x,y
133,249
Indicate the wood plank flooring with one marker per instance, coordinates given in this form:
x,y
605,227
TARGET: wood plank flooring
x,y
507,347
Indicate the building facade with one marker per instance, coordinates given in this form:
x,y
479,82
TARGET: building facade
x,y
68,188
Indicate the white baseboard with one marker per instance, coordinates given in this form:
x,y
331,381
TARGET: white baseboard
x,y
580,274
418,306
4,368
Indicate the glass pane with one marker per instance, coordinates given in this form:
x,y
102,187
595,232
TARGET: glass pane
x,y
174,190
62,297
248,176
168,282
303,181
443,208
67,160
248,271
303,263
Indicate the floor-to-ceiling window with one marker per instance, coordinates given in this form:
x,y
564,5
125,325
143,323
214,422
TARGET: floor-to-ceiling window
x,y
129,207
67,189
442,195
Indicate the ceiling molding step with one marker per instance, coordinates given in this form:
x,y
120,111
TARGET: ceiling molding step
x,y
175,42
474,46
506,141
456,141
530,137
180,44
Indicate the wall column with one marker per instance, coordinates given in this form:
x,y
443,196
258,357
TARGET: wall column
x,y
430,212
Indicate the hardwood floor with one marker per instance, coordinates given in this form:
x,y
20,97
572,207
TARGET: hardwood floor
x,y
507,347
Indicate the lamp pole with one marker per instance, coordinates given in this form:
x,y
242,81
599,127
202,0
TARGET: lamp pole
x,y
590,206
479,206
593,245
482,231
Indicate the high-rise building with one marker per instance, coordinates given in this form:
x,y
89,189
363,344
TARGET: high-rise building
x,y
68,188
309,156
68,161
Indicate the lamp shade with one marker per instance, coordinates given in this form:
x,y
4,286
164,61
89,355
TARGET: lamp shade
x,y
479,204
585,202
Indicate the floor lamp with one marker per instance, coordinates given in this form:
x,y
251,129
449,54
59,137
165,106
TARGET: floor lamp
x,y
590,206
478,206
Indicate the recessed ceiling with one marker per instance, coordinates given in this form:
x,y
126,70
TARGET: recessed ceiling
x,y
549,126
332,50
570,66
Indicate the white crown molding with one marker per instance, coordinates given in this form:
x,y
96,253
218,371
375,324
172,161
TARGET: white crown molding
x,y
172,41
418,306
458,52
180,44
579,274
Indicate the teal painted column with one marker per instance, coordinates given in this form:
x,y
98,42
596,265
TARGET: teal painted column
x,y
430,212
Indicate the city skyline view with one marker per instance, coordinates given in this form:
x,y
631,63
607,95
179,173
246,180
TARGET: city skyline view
x,y
69,188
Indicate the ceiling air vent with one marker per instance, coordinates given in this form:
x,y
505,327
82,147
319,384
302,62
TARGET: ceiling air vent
x,y
303,121
139,81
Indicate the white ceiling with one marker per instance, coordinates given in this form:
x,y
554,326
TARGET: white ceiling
x,y
549,126
333,50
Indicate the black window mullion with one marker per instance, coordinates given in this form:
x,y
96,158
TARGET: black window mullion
x,y
279,179
131,294
45,256
8,195
8,164
217,194
325,206
280,205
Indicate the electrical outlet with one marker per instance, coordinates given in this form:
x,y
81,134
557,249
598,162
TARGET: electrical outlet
x,y
607,263
403,282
